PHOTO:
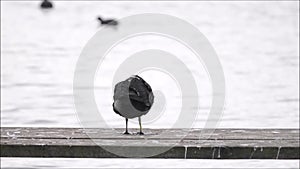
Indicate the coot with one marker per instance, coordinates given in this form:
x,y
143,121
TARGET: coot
x,y
46,4
133,97
108,21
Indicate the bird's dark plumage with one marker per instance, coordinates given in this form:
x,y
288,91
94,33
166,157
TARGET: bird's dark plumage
x,y
46,4
133,97
108,21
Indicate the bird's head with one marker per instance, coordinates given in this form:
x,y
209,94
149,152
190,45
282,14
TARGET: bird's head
x,y
99,18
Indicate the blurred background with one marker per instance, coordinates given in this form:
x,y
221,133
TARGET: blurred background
x,y
257,44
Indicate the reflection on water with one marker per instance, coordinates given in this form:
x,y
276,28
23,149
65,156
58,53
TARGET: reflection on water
x,y
34,163
257,43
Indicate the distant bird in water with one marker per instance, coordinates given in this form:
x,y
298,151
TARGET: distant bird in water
x,y
111,22
46,4
133,97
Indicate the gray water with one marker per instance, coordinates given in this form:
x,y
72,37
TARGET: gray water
x,y
257,43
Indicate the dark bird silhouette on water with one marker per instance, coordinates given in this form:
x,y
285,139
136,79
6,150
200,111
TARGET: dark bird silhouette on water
x,y
133,97
111,22
46,4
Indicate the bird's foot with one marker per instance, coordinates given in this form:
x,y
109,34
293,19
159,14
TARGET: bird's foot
x,y
140,133
126,133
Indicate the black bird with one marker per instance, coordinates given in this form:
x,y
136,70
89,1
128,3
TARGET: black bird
x,y
111,22
46,4
133,97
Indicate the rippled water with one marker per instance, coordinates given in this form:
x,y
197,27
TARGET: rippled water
x,y
257,43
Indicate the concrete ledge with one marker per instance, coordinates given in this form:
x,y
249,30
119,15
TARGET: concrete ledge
x,y
179,143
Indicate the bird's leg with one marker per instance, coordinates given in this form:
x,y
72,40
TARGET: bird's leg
x,y
140,133
126,131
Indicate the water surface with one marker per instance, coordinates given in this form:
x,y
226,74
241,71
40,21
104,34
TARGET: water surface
x,y
257,43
